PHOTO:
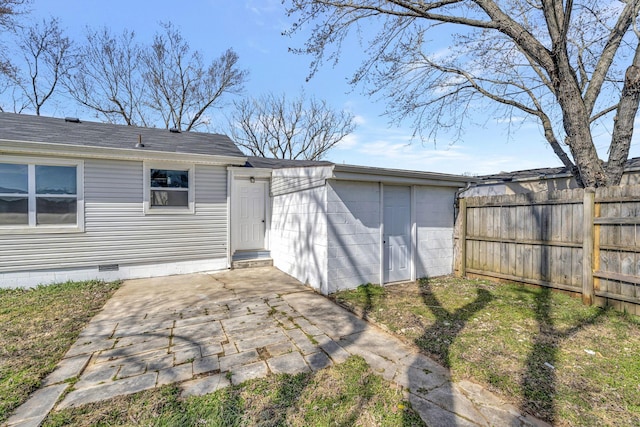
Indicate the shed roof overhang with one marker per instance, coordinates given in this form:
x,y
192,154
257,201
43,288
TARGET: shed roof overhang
x,y
399,176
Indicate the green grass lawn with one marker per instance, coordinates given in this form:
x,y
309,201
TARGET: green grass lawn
x,y
38,327
555,358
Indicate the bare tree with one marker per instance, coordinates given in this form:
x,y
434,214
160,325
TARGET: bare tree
x,y
109,78
47,58
272,126
9,9
164,83
566,64
181,88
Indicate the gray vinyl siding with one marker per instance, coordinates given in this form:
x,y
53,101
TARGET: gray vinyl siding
x,y
118,232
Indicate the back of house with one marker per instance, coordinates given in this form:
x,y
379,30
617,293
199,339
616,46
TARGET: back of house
x,y
82,200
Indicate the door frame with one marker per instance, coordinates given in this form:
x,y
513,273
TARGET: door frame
x,y
244,174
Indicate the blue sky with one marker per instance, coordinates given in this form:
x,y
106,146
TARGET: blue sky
x,y
253,28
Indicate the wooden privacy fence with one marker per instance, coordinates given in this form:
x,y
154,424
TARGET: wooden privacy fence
x,y
581,241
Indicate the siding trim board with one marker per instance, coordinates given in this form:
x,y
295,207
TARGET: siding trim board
x,y
29,279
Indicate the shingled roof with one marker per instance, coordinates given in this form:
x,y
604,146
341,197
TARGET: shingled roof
x,y
541,173
22,127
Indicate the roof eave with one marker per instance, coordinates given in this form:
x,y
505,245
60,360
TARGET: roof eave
x,y
398,176
68,150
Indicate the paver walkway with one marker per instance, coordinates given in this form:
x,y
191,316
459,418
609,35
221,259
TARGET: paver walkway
x,y
195,329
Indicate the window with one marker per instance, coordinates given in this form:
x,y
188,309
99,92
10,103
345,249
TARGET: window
x,y
14,194
34,195
168,189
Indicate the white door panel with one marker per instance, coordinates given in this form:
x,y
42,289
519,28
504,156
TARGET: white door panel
x,y
397,233
250,215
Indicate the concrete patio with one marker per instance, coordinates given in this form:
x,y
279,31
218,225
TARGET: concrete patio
x,y
207,331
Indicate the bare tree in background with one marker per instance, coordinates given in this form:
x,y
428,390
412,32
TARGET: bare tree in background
x,y
274,127
47,58
9,9
181,88
165,83
567,65
108,78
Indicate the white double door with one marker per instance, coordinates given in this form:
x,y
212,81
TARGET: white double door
x,y
397,233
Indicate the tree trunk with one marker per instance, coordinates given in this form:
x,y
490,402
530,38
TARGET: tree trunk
x,y
577,125
623,122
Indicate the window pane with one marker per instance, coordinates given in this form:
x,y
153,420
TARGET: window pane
x,y
14,211
169,198
56,210
56,180
169,178
14,178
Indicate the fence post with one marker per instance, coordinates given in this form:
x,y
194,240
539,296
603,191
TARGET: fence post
x,y
463,237
587,245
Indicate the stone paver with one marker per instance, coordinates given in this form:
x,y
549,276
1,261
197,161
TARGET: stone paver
x,y
291,363
317,361
67,368
201,386
248,372
229,363
108,390
175,374
206,364
302,341
38,406
436,416
96,375
207,331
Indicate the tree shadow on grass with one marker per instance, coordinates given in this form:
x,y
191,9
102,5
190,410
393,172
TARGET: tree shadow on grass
x,y
438,339
447,323
539,379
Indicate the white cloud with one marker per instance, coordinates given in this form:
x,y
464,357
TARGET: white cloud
x,y
349,142
359,120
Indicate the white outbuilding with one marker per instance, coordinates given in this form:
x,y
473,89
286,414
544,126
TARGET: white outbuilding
x,y
338,226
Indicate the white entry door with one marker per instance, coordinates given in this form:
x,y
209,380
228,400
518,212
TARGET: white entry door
x,y
250,215
397,233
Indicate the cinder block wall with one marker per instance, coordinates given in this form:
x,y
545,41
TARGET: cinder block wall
x,y
298,236
353,225
434,220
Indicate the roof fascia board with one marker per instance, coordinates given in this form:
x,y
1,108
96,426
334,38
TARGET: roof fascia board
x,y
399,177
318,172
242,172
67,150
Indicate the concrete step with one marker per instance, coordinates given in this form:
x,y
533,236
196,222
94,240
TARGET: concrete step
x,y
251,254
252,263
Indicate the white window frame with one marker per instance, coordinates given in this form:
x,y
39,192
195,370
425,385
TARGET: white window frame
x,y
33,227
174,210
